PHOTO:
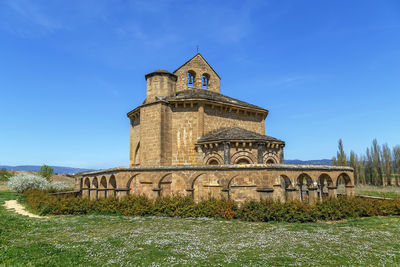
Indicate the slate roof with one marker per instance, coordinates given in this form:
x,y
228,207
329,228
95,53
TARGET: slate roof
x,y
210,95
236,133
158,71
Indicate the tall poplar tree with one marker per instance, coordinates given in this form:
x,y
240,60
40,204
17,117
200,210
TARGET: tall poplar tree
x,y
387,165
396,161
341,157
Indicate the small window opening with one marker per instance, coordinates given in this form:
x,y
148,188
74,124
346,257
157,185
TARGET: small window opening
x,y
205,80
242,161
190,78
213,162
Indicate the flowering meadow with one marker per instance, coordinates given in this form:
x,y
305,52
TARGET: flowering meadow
x,y
117,240
109,240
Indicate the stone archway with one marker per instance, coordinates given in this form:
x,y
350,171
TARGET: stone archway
x,y
112,186
206,186
243,157
326,187
344,180
305,188
171,184
165,185
270,161
213,159
271,158
133,185
287,188
94,188
102,188
242,188
86,188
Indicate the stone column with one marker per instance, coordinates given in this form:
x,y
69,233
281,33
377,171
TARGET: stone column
x,y
321,192
121,193
279,193
332,191
110,192
291,194
85,192
312,195
301,192
93,193
102,193
227,153
260,150
350,190
225,193
200,120
156,193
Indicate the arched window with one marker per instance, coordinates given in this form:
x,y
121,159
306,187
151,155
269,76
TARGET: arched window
x,y
205,79
270,161
213,162
243,161
191,75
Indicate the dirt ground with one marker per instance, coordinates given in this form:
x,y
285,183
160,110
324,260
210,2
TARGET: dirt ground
x,y
18,208
62,178
3,186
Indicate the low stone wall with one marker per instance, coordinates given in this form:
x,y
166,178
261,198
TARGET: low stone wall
x,y
238,182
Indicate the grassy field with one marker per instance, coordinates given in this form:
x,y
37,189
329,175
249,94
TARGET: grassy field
x,y
378,191
115,240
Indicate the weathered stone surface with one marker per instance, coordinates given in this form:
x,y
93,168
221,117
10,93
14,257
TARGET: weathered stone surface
x,y
191,141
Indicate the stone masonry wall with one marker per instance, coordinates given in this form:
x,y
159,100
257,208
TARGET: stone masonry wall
x,y
199,66
150,135
215,118
239,183
184,135
134,158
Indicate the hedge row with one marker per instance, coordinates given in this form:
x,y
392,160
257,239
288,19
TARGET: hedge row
x,y
260,211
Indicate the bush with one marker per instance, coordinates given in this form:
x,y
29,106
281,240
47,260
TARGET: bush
x,y
4,175
179,206
24,181
46,172
58,186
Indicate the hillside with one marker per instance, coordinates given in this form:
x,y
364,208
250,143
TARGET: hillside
x,y
71,170
309,162
35,168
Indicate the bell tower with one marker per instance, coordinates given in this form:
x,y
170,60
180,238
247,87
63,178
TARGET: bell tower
x,y
197,73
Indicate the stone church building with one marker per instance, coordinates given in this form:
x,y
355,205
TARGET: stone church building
x,y
187,138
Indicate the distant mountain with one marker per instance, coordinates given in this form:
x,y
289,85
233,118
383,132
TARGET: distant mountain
x,y
70,170
57,169
309,162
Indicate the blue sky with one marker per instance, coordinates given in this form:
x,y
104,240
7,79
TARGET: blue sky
x,y
71,70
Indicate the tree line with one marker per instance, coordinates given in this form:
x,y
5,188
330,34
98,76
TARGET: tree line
x,y
379,165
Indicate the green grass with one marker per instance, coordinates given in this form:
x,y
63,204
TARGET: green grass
x,y
378,191
115,240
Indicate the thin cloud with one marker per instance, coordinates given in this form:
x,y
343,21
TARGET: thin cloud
x,y
31,12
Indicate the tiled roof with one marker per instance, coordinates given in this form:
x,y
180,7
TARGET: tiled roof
x,y
227,134
210,95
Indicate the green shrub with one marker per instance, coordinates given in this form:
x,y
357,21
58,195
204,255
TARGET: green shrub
x,y
46,172
24,181
4,175
180,206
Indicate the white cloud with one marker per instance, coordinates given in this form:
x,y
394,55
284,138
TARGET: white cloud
x,y
26,18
